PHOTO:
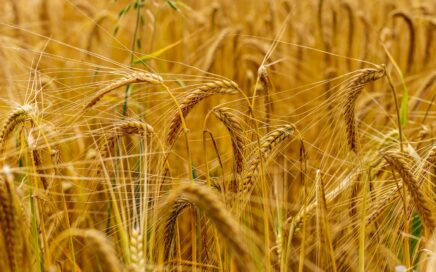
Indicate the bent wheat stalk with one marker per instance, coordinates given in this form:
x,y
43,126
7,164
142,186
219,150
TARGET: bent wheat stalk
x,y
352,91
422,203
8,222
193,98
266,86
267,145
97,242
179,205
393,194
236,132
207,201
129,127
19,115
136,77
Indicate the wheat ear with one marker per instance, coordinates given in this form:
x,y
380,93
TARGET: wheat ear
x,y
128,127
103,248
422,203
236,132
267,145
179,205
97,242
352,91
266,84
192,99
136,77
8,221
19,115
137,250
206,200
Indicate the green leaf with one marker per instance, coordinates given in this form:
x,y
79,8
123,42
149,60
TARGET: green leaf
x,y
117,27
172,4
180,82
128,7
416,232
183,5
404,104
141,20
194,172
156,53
120,13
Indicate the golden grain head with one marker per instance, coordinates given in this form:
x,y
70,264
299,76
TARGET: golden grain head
x,y
196,136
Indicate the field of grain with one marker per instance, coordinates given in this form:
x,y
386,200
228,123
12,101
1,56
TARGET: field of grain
x,y
217,135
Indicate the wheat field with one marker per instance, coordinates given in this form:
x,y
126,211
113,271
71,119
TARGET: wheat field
x,y
224,135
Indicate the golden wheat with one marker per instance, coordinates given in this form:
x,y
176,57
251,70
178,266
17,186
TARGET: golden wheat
x,y
421,201
206,200
135,77
192,99
352,91
267,145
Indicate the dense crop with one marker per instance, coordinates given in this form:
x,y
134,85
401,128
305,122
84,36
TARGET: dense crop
x,y
227,135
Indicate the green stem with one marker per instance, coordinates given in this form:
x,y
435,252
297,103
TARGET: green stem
x,y
132,53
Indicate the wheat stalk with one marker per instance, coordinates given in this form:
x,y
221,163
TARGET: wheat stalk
x,y
19,115
323,216
431,26
192,99
267,145
266,86
8,222
422,203
103,248
346,5
129,127
236,132
207,201
97,242
367,30
135,77
179,205
352,91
